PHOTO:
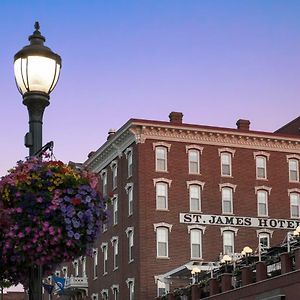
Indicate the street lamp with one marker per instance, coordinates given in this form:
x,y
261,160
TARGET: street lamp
x,y
195,274
37,71
226,260
247,251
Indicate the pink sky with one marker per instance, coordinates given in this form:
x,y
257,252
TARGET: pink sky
x,y
215,61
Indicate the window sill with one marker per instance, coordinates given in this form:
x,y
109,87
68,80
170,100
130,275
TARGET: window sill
x,y
265,179
196,211
95,278
161,171
194,173
227,176
116,268
228,214
104,274
162,209
131,261
162,257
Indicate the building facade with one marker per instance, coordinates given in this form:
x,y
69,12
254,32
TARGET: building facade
x,y
184,194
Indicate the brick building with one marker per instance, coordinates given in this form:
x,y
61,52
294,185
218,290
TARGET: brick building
x,y
184,194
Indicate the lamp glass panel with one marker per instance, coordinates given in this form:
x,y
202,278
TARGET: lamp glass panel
x,y
36,73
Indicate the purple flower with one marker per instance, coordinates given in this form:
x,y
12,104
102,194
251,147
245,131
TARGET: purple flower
x,y
70,233
77,236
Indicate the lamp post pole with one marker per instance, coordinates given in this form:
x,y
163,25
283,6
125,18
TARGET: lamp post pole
x,y
37,70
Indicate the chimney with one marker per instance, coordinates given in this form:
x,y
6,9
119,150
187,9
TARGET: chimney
x,y
111,133
176,117
243,124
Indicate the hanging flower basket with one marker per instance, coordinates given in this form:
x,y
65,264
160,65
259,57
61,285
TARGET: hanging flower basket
x,y
49,213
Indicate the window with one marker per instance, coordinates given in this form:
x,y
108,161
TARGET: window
x,y
295,205
293,170
105,224
104,182
94,296
225,164
227,206
95,263
104,247
129,189
194,161
228,242
262,203
161,158
115,209
76,267
195,197
261,167
130,285
65,272
196,238
129,232
83,261
162,241
161,195
114,169
115,291
115,242
129,163
104,294
264,241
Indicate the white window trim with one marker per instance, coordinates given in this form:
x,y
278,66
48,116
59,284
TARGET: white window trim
x,y
113,164
228,150
128,186
104,246
267,203
95,254
104,291
268,231
113,200
167,193
195,182
115,241
115,287
261,153
229,185
162,224
75,264
161,144
191,147
200,197
230,164
200,227
294,192
128,280
65,271
229,228
103,173
297,158
127,151
201,242
292,156
263,187
94,296
165,180
128,230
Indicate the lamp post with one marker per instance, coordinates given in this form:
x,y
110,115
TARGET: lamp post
x,y
247,251
195,274
37,71
226,260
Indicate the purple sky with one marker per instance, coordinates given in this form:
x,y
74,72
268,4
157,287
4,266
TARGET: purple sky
x,y
215,61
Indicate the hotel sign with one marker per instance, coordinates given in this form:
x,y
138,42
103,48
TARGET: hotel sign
x,y
200,219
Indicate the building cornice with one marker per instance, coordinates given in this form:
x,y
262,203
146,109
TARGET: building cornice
x,y
138,131
212,136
